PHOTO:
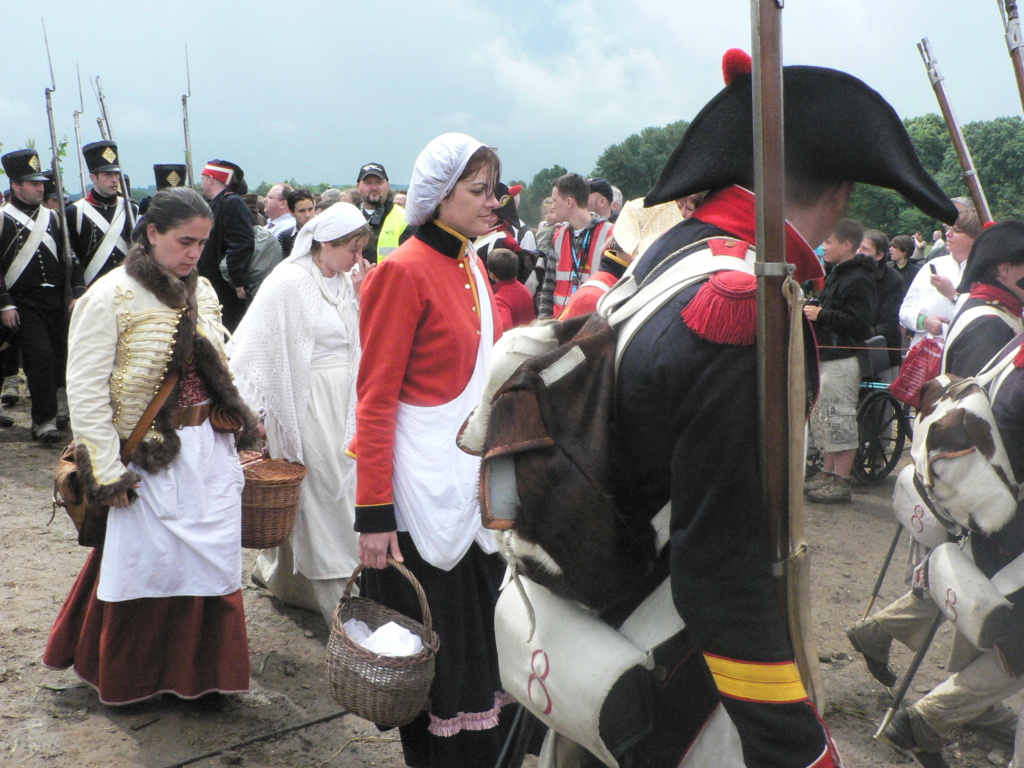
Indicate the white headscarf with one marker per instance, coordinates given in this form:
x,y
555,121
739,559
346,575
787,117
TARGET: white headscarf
x,y
327,226
437,169
272,348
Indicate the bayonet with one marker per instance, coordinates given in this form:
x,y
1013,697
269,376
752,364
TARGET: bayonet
x,y
184,109
69,256
78,130
110,137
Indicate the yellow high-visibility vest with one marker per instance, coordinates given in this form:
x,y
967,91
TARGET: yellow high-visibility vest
x,y
390,232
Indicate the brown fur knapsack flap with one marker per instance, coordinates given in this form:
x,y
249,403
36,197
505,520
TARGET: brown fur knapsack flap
x,y
555,417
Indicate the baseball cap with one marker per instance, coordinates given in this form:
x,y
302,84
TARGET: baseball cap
x,y
372,169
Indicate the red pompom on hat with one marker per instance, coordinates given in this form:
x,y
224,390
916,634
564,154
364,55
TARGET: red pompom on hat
x,y
736,62
724,311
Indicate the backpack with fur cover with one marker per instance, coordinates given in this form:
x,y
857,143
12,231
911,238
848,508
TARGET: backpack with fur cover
x,y
546,430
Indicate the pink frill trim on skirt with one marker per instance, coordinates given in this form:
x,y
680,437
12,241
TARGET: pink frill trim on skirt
x,y
471,721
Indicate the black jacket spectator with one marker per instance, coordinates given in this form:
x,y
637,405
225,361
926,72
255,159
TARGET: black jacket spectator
x,y
847,308
231,238
889,290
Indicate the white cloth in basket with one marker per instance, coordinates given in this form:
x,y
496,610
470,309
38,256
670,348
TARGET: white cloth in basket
x,y
391,639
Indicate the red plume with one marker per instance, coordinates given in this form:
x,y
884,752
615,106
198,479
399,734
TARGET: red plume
x,y
736,62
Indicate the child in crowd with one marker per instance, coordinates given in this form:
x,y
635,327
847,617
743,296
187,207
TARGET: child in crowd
x,y
842,321
515,304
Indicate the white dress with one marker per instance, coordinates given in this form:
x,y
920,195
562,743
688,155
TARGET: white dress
x,y
295,358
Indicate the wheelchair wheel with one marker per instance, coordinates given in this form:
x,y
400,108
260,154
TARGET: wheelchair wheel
x,y
882,433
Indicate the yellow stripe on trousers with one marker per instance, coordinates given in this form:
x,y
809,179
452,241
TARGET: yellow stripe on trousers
x,y
769,683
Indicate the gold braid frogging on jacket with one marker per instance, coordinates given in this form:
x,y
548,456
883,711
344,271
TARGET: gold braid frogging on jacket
x,y
129,330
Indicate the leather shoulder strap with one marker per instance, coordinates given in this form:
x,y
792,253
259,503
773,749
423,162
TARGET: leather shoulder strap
x,y
148,415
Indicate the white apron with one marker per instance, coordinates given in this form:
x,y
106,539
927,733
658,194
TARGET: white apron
x,y
183,535
324,541
435,483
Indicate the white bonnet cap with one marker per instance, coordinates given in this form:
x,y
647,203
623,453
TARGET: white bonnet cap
x,y
437,169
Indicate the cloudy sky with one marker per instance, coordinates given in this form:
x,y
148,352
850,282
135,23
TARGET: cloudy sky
x,y
312,90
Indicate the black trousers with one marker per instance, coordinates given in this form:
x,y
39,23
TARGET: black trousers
x,y
43,342
232,308
10,361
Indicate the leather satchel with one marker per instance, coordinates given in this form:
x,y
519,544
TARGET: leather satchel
x,y
224,421
89,515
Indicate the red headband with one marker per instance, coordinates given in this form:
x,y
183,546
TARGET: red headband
x,y
221,173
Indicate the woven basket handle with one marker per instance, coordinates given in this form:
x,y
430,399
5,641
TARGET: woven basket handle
x,y
420,594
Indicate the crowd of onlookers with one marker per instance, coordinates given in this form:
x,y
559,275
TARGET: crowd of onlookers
x,y
901,290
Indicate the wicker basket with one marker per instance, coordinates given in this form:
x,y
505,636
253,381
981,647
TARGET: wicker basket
x,y
387,690
269,499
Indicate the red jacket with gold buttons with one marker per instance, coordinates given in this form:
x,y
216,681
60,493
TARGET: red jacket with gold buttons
x,y
420,330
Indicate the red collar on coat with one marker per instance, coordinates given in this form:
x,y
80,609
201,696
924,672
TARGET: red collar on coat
x,y
999,295
733,210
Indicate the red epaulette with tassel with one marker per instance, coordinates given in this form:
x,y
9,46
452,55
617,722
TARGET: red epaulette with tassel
x,y
724,311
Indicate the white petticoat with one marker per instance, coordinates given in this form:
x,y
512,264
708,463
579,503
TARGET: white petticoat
x,y
182,536
325,543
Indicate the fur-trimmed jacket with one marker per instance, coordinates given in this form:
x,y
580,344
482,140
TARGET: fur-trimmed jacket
x,y
130,329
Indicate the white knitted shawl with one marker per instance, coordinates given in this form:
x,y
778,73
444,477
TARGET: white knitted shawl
x,y
272,349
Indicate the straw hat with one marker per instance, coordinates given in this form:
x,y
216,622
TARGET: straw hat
x,y
637,227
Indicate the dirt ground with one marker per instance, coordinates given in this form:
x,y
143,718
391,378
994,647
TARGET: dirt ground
x,y
50,718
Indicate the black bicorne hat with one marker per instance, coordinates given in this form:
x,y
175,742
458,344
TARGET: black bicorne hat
x,y
170,175
507,211
101,157
836,129
997,244
23,165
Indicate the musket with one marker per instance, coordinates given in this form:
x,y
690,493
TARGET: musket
x,y
781,398
69,256
1014,41
908,676
885,568
962,152
78,130
184,109
110,137
104,132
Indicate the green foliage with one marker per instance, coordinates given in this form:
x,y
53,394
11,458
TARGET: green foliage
x,y
997,148
634,165
931,139
534,193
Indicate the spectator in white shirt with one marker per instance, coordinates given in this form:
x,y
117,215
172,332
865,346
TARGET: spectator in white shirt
x,y
931,301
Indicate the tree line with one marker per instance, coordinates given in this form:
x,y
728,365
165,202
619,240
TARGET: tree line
x,y
997,147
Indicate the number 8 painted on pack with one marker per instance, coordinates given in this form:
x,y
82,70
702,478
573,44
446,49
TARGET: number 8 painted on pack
x,y
951,604
918,518
539,677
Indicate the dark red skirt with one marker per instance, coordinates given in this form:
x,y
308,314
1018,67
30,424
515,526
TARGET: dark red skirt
x,y
132,650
